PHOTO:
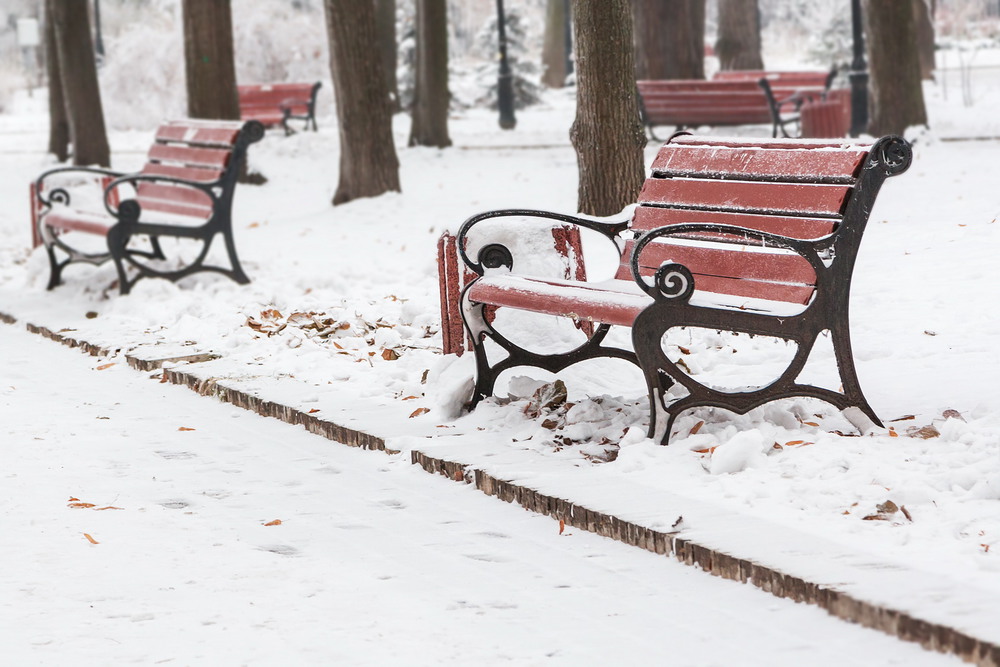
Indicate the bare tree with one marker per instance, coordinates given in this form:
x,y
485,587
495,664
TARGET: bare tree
x,y
923,14
896,101
738,43
58,122
669,39
209,66
607,133
430,95
78,74
368,162
554,56
385,23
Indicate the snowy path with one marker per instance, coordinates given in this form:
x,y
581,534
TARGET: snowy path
x,y
374,562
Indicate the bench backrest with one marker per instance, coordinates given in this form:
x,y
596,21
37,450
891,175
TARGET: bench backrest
x,y
296,97
208,151
800,189
699,102
789,79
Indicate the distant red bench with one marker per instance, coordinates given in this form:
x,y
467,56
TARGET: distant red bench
x,y
185,190
739,97
274,104
756,237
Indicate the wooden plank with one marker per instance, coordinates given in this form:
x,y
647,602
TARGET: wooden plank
x,y
192,157
735,261
647,86
654,217
754,163
173,199
198,174
576,301
802,199
780,144
192,133
70,220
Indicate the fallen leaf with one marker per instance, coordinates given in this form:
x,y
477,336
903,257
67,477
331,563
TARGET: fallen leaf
x,y
903,418
276,522
550,424
562,526
906,512
109,507
888,507
952,414
163,376
408,398
72,499
81,505
683,349
103,366
389,354
696,428
925,432
184,428
419,411
459,476
892,433
810,424
90,539
875,517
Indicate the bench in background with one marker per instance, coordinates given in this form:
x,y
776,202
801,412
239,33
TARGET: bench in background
x,y
274,104
756,237
185,190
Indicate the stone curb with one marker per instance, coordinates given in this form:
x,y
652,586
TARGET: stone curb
x,y
933,636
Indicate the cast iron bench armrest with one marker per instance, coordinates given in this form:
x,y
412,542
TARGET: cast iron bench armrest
x,y
494,255
674,281
60,195
125,206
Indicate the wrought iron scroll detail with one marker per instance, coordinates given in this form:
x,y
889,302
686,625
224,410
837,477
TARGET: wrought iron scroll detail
x,y
495,255
673,281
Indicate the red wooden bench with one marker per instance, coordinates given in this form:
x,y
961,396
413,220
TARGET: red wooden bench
x,y
274,104
185,190
758,237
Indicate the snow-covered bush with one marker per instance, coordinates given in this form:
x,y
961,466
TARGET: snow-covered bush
x,y
525,72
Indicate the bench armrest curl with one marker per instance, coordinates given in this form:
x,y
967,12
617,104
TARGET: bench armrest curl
x,y
495,255
675,281
61,195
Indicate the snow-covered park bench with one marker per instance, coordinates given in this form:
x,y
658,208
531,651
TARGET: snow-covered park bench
x,y
184,191
750,236
740,97
275,104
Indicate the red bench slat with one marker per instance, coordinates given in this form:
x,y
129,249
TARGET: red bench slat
x,y
654,217
71,220
795,198
173,199
194,157
751,164
578,301
191,133
204,175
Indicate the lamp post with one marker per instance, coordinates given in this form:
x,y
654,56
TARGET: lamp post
x,y
859,74
505,83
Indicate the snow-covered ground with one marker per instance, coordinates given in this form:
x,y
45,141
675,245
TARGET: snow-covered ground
x,y
333,288
143,524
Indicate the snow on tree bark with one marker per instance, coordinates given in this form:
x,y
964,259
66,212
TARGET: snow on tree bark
x,y
368,162
896,98
669,39
78,73
607,132
431,96
738,43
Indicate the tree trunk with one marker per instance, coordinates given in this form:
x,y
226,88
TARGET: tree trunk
x,y
209,66
738,44
368,162
607,133
922,14
430,94
669,39
554,46
385,22
58,122
896,99
78,73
